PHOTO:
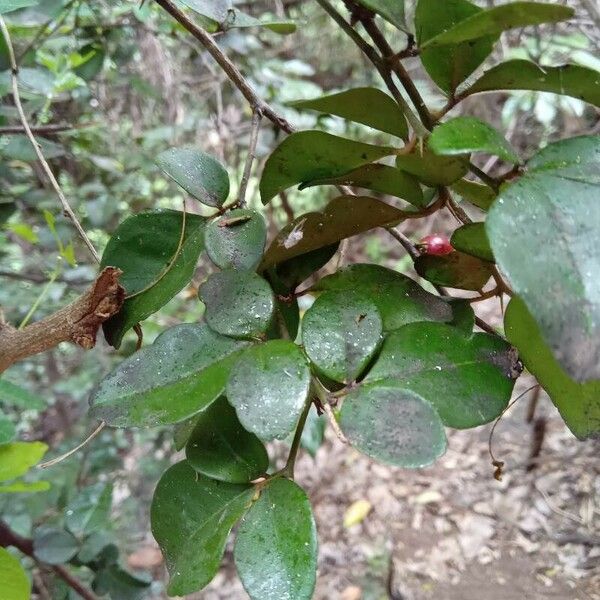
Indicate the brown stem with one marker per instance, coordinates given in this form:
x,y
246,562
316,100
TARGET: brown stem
x,y
227,65
38,129
77,323
256,119
9,538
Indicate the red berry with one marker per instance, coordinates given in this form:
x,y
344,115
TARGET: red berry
x,y
435,244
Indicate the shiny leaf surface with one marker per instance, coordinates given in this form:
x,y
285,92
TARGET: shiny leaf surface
x,y
268,387
276,546
455,270
394,426
472,239
180,374
220,448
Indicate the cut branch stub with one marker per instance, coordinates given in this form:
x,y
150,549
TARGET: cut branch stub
x,y
77,323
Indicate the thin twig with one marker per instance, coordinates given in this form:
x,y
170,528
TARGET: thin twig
x,y
405,242
256,119
36,147
230,69
37,129
334,424
88,439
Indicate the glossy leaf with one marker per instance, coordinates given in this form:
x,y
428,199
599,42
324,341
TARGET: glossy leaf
x,y
495,20
399,299
236,240
89,511
449,66
472,239
179,375
18,457
369,106
198,173
392,425
434,170
478,194
7,430
455,270
238,303
220,448
567,80
578,403
382,179
293,272
467,378
464,135
14,582
390,10
157,263
341,332
54,546
343,217
540,229
191,519
309,155
276,547
268,387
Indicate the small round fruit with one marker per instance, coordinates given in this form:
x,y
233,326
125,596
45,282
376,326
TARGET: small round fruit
x,y
435,244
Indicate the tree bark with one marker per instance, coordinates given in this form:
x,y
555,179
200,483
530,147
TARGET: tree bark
x,y
77,323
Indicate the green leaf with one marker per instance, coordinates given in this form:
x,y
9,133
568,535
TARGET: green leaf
x,y
238,303
18,457
478,194
394,426
379,178
567,80
467,134
449,66
191,518
268,387
19,148
578,403
293,272
313,433
179,375
468,378
54,546
390,10
399,299
115,581
89,510
455,270
366,105
198,173
22,487
498,19
236,240
343,217
93,545
14,582
308,155
541,229
220,448
157,263
473,240
434,170
9,5
14,395
276,547
7,430
341,333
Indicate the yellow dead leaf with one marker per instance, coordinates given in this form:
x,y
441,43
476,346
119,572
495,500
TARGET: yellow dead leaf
x,y
357,512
